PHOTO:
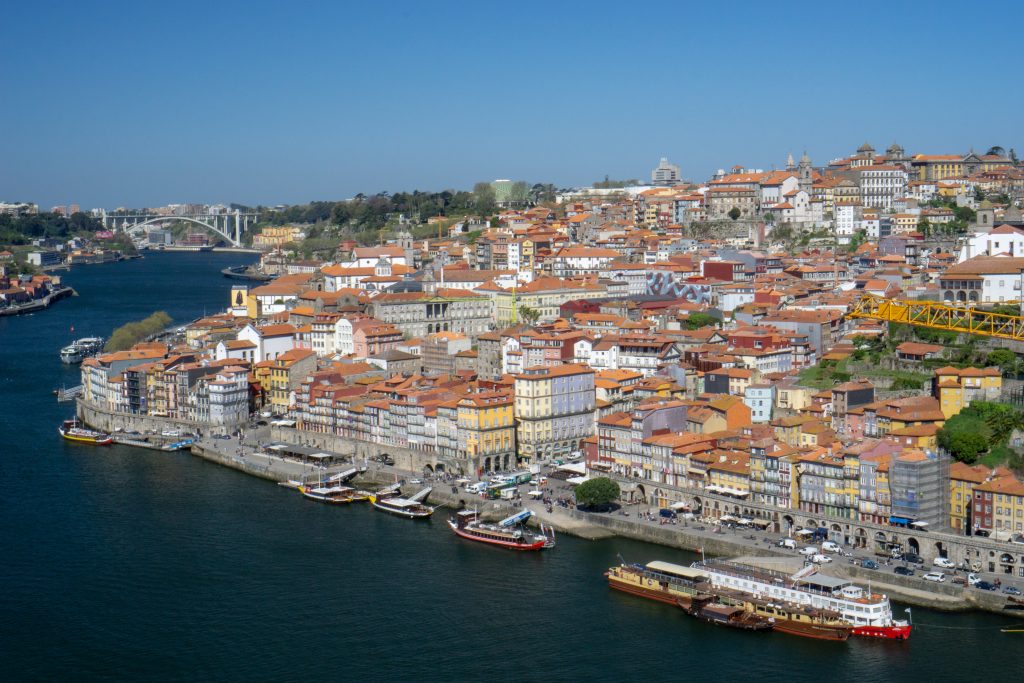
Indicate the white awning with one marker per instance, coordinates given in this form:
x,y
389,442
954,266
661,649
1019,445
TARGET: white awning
x,y
680,505
726,518
576,467
803,532
535,494
919,524
575,481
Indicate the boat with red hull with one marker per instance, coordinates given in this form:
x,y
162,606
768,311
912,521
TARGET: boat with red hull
x,y
508,533
898,631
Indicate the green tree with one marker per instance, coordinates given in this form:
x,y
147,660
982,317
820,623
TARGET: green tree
x,y
528,315
519,193
967,446
734,213
1004,358
597,492
695,321
924,226
484,199
130,334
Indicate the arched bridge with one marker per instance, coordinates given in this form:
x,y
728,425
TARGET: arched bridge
x,y
941,316
230,226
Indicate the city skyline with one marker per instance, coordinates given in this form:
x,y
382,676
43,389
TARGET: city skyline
x,y
258,105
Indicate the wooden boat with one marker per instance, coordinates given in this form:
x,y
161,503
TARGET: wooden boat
x,y
682,587
732,616
70,430
508,533
333,495
410,508
807,603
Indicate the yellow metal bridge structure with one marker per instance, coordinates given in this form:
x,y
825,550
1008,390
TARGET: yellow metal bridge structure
x,y
940,316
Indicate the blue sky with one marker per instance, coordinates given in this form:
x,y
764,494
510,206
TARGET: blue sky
x,y
142,104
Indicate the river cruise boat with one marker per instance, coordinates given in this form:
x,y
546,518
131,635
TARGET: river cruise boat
x,y
71,431
683,587
80,349
508,533
410,508
831,602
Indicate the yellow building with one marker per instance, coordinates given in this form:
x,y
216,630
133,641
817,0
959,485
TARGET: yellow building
x,y
955,388
271,238
286,373
730,474
487,427
1005,495
962,480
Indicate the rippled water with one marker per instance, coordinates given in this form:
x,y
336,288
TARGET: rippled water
x,y
123,564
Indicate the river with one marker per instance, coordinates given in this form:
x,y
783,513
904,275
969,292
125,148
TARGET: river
x,y
126,564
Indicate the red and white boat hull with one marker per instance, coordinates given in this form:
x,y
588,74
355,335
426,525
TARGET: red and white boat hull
x,y
539,544
895,631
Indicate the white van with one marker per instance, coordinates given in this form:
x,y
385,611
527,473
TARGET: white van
x,y
509,493
830,547
478,487
809,550
944,562
787,543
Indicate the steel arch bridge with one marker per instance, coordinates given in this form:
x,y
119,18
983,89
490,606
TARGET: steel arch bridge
x,y
230,226
939,316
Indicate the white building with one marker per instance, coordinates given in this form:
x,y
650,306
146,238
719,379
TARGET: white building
x,y
270,341
880,184
1005,239
846,220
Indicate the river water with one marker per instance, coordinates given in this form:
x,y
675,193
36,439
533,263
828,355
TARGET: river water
x,y
126,564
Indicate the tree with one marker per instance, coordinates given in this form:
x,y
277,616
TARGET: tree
x,y
528,315
967,446
1004,358
519,193
924,226
734,213
695,321
484,199
597,492
965,436
130,334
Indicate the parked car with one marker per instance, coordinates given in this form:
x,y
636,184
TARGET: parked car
x,y
985,586
1011,590
830,547
937,577
809,551
904,571
944,562
913,558
973,579
821,559
869,564
984,533
787,543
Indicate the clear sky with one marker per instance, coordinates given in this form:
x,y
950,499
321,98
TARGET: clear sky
x,y
144,103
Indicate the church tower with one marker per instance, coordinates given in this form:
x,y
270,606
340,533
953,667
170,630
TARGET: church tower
x,y
804,175
790,164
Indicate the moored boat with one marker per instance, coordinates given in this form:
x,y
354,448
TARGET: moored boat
x,y
80,349
410,508
70,430
816,605
683,587
508,533
333,495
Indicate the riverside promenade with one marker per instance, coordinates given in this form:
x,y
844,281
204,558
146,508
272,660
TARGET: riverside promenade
x,y
634,522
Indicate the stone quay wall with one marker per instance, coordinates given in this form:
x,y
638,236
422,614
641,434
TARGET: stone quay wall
x,y
111,421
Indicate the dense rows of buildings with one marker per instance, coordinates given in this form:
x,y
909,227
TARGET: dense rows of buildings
x,y
615,326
